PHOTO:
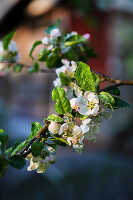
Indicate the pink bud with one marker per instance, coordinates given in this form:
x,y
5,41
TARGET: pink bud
x,y
87,36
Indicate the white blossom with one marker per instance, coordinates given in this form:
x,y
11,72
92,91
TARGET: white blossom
x,y
54,127
72,103
55,33
50,47
12,47
88,104
45,40
57,82
74,33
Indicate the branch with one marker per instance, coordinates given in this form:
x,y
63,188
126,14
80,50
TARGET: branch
x,y
41,132
118,82
102,76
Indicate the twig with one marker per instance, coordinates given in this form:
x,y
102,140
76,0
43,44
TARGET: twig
x,y
41,132
118,82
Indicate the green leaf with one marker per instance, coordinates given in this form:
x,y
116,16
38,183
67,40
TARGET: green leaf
x,y
3,166
64,79
107,99
43,55
119,103
4,139
62,103
35,68
37,148
34,46
1,131
58,140
53,61
84,77
11,149
90,52
91,134
58,22
19,147
7,40
70,54
55,118
35,127
51,27
17,161
113,90
17,68
74,39
96,80
96,119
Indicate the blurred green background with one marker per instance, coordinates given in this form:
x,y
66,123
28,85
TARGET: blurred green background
x,y
104,170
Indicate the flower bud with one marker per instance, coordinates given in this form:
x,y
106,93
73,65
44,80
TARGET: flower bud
x,y
54,127
86,36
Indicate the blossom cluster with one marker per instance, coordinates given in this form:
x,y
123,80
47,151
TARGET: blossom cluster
x,y
8,57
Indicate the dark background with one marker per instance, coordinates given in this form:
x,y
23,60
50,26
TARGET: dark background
x,y
105,169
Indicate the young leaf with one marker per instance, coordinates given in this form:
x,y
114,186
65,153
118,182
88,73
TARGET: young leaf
x,y
1,131
58,140
34,46
17,68
37,148
53,60
54,118
91,134
113,90
35,68
35,127
3,166
64,79
17,161
11,149
107,99
4,139
43,55
62,103
119,103
96,80
19,147
58,22
7,40
74,39
84,77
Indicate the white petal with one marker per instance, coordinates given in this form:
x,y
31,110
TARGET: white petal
x,y
84,128
50,47
72,103
91,97
61,69
84,110
55,33
74,66
57,82
63,128
86,121
76,130
81,101
95,109
65,62
45,40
